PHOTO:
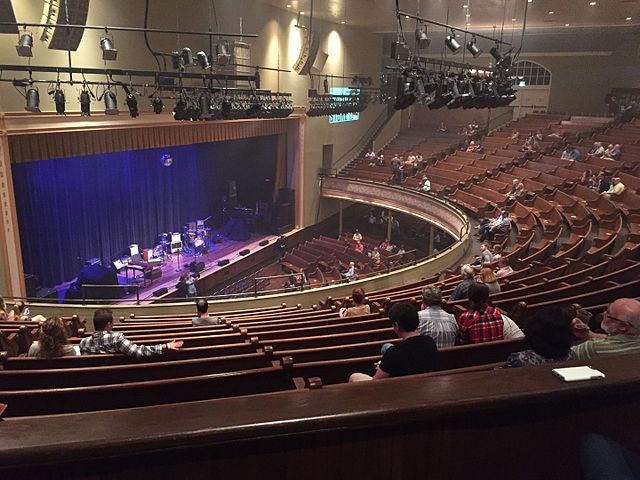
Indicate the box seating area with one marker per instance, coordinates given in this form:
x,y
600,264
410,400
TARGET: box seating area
x,y
571,246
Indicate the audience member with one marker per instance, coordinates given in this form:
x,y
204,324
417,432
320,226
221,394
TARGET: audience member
x,y
538,136
384,245
414,354
434,321
499,225
282,246
487,277
375,256
3,310
351,273
380,160
566,154
203,318
549,338
187,286
598,149
442,127
621,322
359,307
504,268
516,192
580,327
359,247
486,257
616,188
52,341
425,185
515,135
604,182
482,322
462,289
19,313
497,253
357,236
613,153
105,340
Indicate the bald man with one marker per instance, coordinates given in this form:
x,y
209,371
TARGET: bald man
x,y
621,321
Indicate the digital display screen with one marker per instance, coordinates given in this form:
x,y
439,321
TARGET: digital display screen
x,y
344,117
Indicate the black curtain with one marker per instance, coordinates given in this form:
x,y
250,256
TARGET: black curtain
x,y
73,209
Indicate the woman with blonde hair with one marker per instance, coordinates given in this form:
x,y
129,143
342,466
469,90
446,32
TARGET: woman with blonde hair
x,y
52,341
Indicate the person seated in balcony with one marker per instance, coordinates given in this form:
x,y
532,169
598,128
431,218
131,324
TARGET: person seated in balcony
x,y
419,160
616,188
359,247
415,354
515,135
357,236
105,340
504,268
517,192
359,307
566,154
499,225
380,160
384,245
604,181
442,128
613,152
474,147
371,158
483,322
396,164
375,256
598,149
462,289
203,318
497,252
549,337
538,136
434,321
621,321
425,185
52,341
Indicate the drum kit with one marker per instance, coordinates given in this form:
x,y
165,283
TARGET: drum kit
x,y
194,240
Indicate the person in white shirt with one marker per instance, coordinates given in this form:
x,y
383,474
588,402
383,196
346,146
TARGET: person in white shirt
x,y
425,186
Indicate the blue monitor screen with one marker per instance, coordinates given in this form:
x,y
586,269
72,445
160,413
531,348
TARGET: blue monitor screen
x,y
344,117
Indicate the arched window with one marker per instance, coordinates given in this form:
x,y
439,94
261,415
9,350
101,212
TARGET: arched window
x,y
530,73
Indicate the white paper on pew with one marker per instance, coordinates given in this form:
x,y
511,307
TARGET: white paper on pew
x,y
577,374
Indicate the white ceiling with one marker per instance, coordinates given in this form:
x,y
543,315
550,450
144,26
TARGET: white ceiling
x,y
378,15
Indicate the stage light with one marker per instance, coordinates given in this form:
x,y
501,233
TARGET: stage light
x,y
180,109
33,99
473,48
110,103
85,103
222,54
25,44
108,49
132,103
495,53
157,105
205,107
203,60
176,61
187,56
254,109
422,39
59,100
451,42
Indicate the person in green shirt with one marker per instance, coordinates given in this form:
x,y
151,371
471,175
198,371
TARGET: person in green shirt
x,y
621,321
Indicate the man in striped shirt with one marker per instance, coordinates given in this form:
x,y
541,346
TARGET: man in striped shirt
x,y
104,340
621,321
435,322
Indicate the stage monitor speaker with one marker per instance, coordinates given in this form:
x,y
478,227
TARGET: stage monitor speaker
x,y
264,243
196,267
160,292
244,252
51,293
31,284
223,262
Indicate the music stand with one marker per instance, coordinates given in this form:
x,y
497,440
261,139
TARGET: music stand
x,y
176,247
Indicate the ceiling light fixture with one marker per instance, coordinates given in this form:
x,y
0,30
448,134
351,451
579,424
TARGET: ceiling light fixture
x,y
451,42
473,48
110,103
109,52
33,99
25,43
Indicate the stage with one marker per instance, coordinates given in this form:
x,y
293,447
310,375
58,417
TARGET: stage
x,y
210,277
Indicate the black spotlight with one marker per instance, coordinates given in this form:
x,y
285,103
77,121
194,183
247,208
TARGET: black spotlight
x,y
157,105
85,103
25,43
203,60
180,109
33,99
473,48
59,100
110,103
132,103
422,39
222,54
205,107
451,42
225,109
495,53
176,61
254,109
187,56
108,49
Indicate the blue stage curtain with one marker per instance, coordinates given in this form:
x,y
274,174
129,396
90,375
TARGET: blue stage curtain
x,y
73,209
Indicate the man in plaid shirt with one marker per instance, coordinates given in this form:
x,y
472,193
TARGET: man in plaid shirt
x,y
482,322
104,340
